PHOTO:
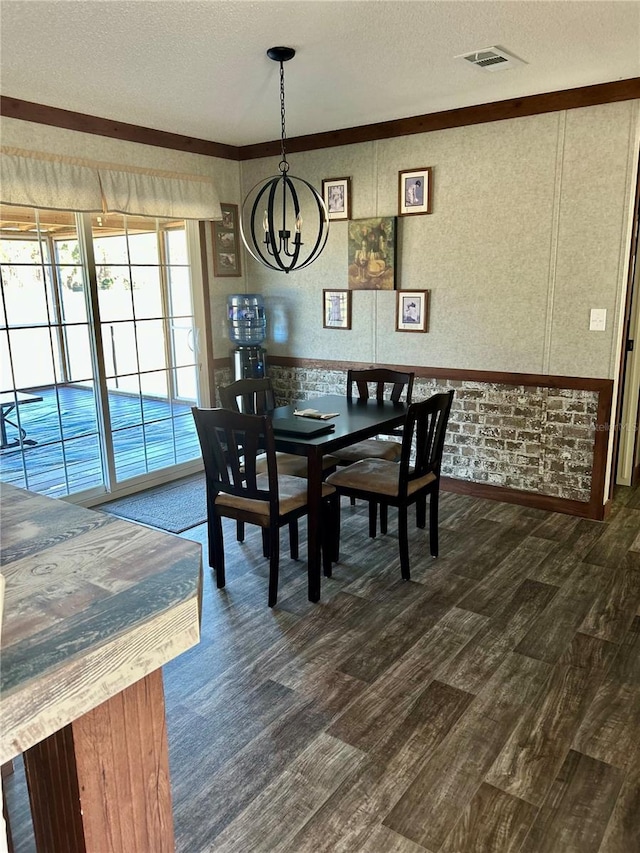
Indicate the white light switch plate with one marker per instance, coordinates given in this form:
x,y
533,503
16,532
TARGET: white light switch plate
x,y
598,320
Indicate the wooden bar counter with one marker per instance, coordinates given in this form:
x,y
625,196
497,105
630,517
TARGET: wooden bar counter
x,y
94,606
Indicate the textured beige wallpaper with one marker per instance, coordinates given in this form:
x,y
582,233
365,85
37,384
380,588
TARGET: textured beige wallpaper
x,y
599,156
529,231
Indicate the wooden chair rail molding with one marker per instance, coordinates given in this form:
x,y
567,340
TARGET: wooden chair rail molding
x,y
584,96
594,508
538,380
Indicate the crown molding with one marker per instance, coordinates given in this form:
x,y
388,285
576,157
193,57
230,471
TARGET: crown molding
x,y
585,96
55,117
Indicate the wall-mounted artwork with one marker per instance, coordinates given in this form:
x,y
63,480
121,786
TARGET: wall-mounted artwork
x,y
336,306
226,242
337,197
372,253
412,311
414,191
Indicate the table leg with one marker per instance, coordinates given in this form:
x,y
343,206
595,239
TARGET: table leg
x,y
3,427
4,420
102,782
314,498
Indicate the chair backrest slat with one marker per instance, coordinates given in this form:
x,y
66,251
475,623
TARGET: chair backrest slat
x,y
426,422
251,396
230,443
386,381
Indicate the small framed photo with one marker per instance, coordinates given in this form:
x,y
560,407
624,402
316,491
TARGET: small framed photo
x,y
414,191
412,311
226,242
336,307
336,193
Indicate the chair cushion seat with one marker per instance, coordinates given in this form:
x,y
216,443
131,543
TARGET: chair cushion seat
x,y
371,448
295,466
377,476
291,490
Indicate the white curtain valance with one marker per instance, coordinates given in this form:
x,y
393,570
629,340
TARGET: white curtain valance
x,y
35,179
146,195
28,182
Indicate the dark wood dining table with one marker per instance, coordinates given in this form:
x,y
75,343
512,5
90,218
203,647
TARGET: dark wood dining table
x,y
356,420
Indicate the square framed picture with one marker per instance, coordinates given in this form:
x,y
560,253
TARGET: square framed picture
x,y
226,242
414,191
412,310
336,307
336,193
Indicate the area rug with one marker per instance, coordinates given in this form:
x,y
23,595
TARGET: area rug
x,y
175,507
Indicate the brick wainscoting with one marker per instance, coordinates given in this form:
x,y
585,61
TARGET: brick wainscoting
x,y
521,438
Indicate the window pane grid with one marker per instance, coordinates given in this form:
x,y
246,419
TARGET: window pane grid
x,y
142,276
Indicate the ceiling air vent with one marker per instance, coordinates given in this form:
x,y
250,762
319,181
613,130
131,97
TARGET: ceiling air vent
x,y
491,59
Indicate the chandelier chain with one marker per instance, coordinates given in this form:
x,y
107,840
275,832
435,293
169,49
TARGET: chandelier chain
x,y
284,166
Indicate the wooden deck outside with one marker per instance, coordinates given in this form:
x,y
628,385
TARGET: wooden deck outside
x,y
64,425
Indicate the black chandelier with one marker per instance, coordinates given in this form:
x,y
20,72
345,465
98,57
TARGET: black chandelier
x,y
273,233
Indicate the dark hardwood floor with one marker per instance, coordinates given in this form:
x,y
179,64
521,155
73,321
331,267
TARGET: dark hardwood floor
x,y
490,704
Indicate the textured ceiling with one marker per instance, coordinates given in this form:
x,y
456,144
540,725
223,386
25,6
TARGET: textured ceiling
x,y
200,69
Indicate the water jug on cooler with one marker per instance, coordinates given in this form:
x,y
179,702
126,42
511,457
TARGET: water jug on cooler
x,y
247,329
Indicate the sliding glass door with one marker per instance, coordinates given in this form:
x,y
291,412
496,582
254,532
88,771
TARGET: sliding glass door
x,y
98,351
148,340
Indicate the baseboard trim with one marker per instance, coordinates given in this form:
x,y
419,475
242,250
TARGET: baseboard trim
x,y
583,509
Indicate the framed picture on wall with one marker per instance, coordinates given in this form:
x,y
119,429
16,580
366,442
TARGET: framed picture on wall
x,y
371,253
336,307
412,311
226,242
414,191
336,193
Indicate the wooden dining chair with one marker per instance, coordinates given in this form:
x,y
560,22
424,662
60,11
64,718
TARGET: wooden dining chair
x,y
231,444
256,397
387,385
386,483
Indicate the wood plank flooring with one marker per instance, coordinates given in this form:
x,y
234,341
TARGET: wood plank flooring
x,y
490,705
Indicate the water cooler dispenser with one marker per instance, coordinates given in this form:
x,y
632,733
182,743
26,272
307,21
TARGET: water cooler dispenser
x,y
247,329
